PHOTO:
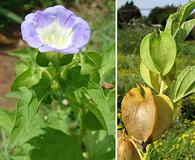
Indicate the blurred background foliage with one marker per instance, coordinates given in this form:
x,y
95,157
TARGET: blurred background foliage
x,y
178,143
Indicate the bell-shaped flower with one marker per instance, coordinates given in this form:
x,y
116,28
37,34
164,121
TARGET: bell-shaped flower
x,y
55,29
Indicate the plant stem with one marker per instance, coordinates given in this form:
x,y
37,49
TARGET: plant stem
x,y
47,73
161,87
146,156
82,128
137,148
56,62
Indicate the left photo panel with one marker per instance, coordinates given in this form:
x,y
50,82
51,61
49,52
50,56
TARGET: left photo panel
x,y
57,80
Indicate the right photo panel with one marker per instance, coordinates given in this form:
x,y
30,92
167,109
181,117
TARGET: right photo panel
x,y
156,80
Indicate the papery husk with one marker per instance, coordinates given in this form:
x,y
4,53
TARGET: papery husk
x,y
164,115
146,117
126,149
139,113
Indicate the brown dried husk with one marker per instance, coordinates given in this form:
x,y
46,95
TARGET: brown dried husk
x,y
125,149
139,113
146,117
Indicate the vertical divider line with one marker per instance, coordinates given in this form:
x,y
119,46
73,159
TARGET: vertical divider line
x,y
116,78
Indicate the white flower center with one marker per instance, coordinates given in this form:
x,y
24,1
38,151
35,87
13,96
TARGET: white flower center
x,y
55,35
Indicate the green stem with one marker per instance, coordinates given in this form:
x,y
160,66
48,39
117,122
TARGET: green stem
x,y
146,156
161,87
47,73
56,61
70,65
82,128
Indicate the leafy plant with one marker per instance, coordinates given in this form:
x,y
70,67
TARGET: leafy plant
x,y
147,115
61,104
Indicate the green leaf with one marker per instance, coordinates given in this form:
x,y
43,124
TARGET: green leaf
x,y
73,80
6,119
175,20
96,102
108,63
158,55
70,83
76,81
21,152
183,32
99,145
27,107
109,77
94,57
42,88
20,158
66,59
20,67
24,53
42,59
89,66
185,83
28,78
22,111
58,118
91,122
110,98
54,144
91,106
151,79
34,130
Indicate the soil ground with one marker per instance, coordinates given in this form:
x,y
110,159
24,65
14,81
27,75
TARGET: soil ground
x,y
9,40
6,77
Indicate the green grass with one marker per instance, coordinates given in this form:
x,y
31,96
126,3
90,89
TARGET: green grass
x,y
178,143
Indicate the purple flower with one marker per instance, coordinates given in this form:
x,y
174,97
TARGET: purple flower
x,y
55,29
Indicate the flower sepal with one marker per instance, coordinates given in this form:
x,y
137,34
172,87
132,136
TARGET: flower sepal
x,y
53,58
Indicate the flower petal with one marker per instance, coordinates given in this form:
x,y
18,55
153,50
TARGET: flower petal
x,y
43,19
80,40
61,13
29,34
80,28
70,49
45,48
